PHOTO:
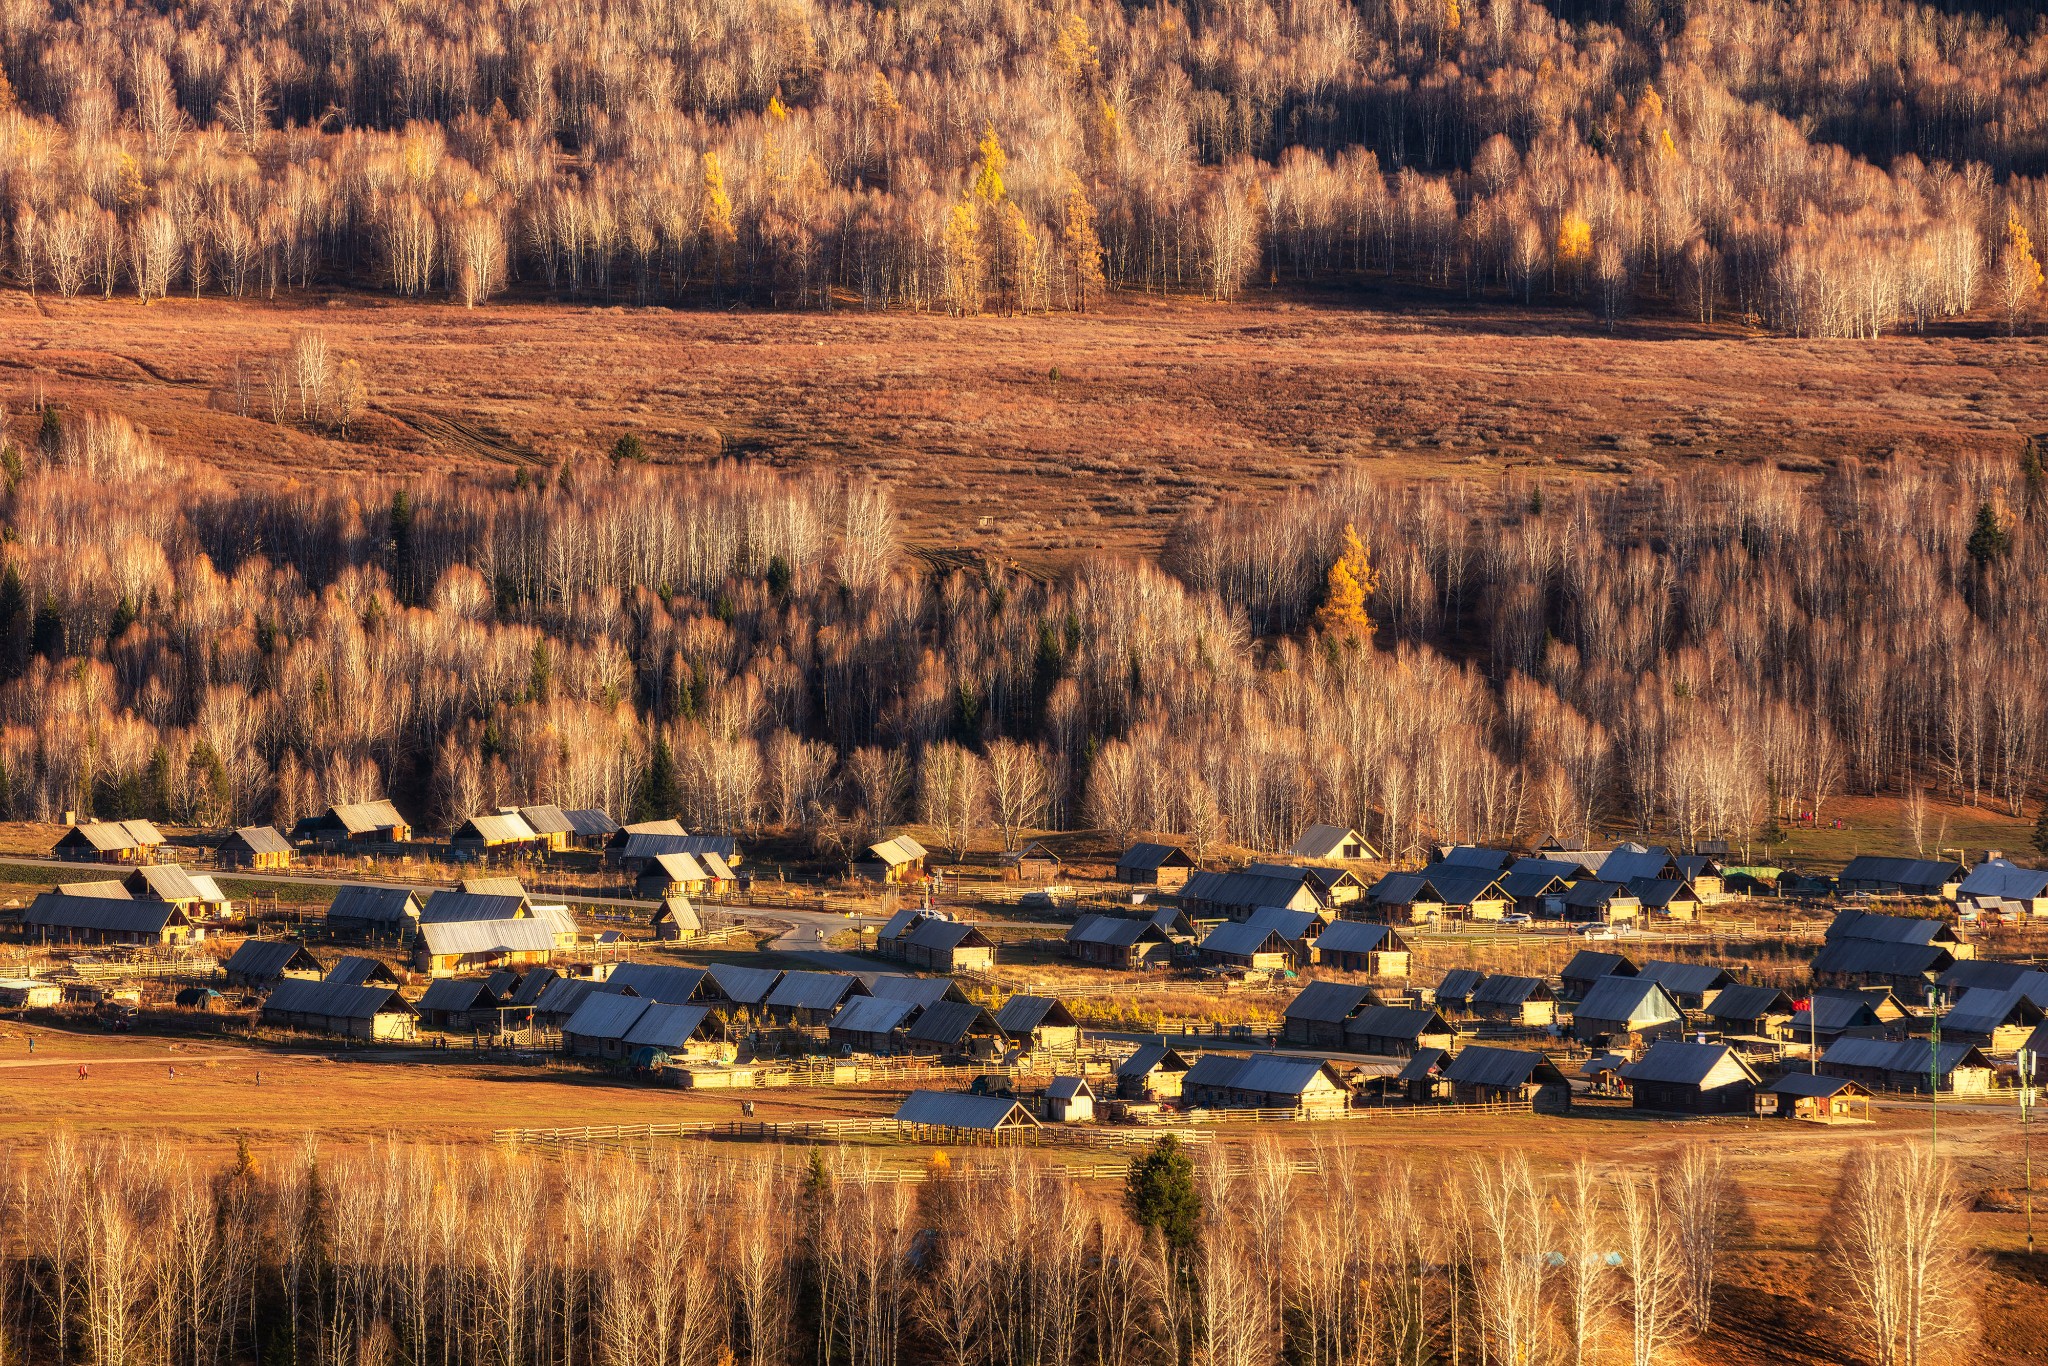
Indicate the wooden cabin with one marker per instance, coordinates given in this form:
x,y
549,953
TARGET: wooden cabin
x,y
1692,1078
256,846
1162,867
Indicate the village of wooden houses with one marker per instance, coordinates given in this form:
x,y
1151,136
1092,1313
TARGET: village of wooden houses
x,y
1048,997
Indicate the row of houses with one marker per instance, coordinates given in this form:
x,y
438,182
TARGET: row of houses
x,y
154,904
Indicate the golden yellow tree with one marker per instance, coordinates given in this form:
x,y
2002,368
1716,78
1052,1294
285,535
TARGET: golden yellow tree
x,y
2019,273
715,218
1351,583
1574,248
1079,246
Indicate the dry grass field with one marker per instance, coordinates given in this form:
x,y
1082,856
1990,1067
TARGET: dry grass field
x,y
1033,437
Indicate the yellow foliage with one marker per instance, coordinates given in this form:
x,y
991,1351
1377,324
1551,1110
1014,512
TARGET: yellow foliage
x,y
940,1164
1574,240
1351,582
1650,109
1454,18
778,112
882,97
416,161
989,168
1665,146
2019,244
1072,51
130,191
717,213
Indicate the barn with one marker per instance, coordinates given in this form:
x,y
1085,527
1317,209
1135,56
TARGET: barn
x,y
376,822
1908,1065
1691,1078
957,1117
869,1024
811,998
369,1012
445,948
1362,946
947,946
1153,1073
1621,1011
1758,1012
894,861
260,963
1524,1001
1265,1081
61,917
380,914
496,833
1693,985
1117,941
1240,944
465,1004
1588,966
1034,1022
1480,1075
1397,1031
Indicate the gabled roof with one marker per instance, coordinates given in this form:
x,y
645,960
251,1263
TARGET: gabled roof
x,y
814,990
666,1026
560,995
1567,869
1066,1088
662,982
487,936
1149,857
110,837
1478,1065
1503,989
621,834
1241,938
1396,1022
165,882
588,820
1328,1002
903,986
1251,890
959,1110
1594,893
1458,984
1903,1055
1359,936
897,852
1686,979
270,958
359,818
1985,972
496,828
1636,1002
384,905
458,994
1690,866
60,910
1423,1064
356,971
1587,964
492,886
674,864
1629,862
113,889
606,1015
1980,1010
261,839
1658,892
1458,885
1904,873
1489,861
1742,1002
1273,1074
940,936
743,986
547,819
335,1000
873,1015
1021,1015
1674,1062
1150,1056
532,985
1834,1011
1117,931
444,906
2004,879
1881,957
900,922
1889,929
1808,1084
950,1022
1326,841
1290,925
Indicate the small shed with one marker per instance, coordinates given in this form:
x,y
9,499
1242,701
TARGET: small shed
x,y
1033,1022
1480,1075
1035,862
894,861
204,999
1692,1078
1823,1100
1165,867
1068,1100
1123,942
1319,1013
676,919
1337,843
1506,999
1152,1073
256,846
1240,944
959,1117
1397,1031
1361,946
1422,1078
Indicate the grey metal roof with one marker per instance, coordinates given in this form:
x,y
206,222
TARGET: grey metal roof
x,y
1503,989
1066,1088
1889,929
942,935
1675,1062
1478,1065
743,986
1980,1010
1328,1002
1149,1056
813,990
1423,1064
492,886
897,852
1458,984
458,993
383,905
112,836
487,936
358,818
354,969
588,820
950,1022
1458,885
1904,1055
621,834
1527,885
1983,972
1325,841
1564,869
1807,1084
1742,1002
1291,925
1832,1011
165,882
269,957
62,910
334,1000
1587,964
1241,938
959,1110
1398,889
1595,893
1022,1014
1141,857
667,1026
1117,931
1359,936
658,981
1396,1022
1490,861
446,906
560,996
1636,1002
262,839
1655,892
1273,1074
1250,890
901,986
1628,862
901,921
532,985
1907,874
605,1015
2004,879
1686,979
546,819
873,1014
1883,957
495,828
666,853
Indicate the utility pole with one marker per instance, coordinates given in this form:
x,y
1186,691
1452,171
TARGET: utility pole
x,y
2027,1061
